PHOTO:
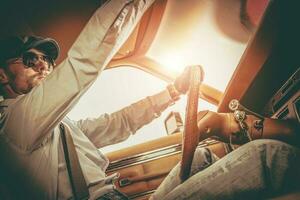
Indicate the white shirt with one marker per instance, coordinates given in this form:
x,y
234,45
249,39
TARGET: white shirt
x,y
30,148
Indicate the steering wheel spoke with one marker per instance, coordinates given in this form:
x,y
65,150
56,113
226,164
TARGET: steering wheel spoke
x,y
190,133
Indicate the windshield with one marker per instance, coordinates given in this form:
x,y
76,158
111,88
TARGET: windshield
x,y
197,32
120,87
191,32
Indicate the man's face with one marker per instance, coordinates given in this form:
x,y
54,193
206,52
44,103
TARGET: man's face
x,y
23,78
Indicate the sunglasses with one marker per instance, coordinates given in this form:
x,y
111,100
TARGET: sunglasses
x,y
31,59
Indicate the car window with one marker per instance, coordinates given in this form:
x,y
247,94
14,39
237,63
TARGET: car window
x,y
120,87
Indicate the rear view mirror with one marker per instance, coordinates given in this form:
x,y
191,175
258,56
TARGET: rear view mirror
x,y
173,123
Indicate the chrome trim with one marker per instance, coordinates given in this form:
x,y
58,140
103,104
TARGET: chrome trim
x,y
152,155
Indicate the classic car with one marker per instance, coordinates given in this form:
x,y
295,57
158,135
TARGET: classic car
x,y
248,50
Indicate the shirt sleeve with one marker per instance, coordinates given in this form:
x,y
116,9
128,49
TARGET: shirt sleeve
x,y
116,127
33,116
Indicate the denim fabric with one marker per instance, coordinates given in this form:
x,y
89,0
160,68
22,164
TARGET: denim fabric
x,y
256,170
202,159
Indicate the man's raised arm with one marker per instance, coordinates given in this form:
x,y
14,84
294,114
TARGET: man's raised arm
x,y
45,106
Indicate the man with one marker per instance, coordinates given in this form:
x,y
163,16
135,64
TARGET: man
x,y
37,98
32,164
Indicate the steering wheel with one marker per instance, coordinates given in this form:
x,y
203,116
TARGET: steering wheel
x,y
190,134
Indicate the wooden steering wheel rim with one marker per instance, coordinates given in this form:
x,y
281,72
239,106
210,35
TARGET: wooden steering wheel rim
x,y
190,138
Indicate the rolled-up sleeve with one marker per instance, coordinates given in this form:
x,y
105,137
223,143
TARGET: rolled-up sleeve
x,y
33,116
118,126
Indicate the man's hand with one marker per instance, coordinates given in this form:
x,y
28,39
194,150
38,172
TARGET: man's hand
x,y
211,124
182,82
219,125
223,126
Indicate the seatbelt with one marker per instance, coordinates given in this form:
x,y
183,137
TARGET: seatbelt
x,y
78,184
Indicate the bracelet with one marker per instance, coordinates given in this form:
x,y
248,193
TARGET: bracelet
x,y
240,112
243,135
240,117
175,95
257,129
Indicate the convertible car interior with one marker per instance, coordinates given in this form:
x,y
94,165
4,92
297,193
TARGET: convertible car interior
x,y
265,77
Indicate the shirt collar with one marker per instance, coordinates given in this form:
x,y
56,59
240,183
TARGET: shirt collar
x,y
7,102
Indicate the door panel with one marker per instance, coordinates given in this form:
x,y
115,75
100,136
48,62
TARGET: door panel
x,y
143,167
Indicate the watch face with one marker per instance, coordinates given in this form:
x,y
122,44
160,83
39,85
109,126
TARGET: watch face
x,y
234,105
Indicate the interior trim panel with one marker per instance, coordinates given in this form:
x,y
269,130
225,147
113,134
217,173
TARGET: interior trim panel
x,y
152,155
